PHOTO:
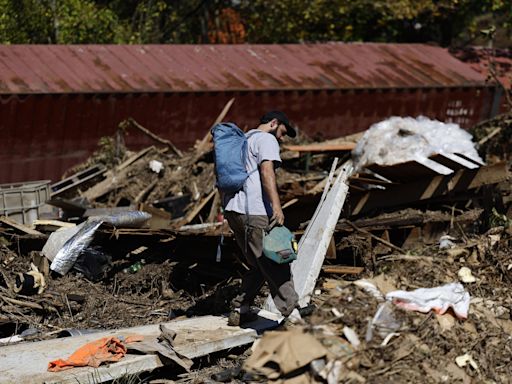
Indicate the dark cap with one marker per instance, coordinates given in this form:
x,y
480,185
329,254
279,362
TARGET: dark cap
x,y
282,118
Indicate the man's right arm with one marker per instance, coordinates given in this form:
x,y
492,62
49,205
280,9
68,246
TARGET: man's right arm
x,y
268,179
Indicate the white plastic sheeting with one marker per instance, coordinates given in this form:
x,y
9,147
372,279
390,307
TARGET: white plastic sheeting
x,y
437,299
401,139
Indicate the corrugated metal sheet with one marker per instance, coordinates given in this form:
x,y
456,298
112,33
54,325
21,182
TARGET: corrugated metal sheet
x,y
43,69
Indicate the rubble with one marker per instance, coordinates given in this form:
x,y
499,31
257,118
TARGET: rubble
x,y
404,227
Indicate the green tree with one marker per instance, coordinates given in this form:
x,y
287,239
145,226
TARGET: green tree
x,y
57,22
24,22
252,21
290,21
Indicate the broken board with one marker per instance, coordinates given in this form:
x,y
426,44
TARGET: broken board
x,y
314,243
28,362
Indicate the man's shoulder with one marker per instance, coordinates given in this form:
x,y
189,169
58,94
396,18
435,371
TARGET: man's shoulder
x,y
257,135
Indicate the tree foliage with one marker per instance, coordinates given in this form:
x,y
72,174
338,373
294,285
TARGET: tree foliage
x,y
57,22
253,21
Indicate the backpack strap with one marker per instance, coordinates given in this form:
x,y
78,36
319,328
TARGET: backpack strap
x,y
247,216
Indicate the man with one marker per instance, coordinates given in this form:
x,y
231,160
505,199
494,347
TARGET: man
x,y
249,212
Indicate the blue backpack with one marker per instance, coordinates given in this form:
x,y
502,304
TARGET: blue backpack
x,y
230,154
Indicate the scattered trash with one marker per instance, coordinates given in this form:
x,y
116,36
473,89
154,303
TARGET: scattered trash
x,y
163,346
369,287
93,354
80,240
30,283
388,338
166,232
68,254
73,332
135,267
401,139
128,219
446,242
281,353
466,359
93,262
465,275
438,299
156,166
351,336
384,321
336,313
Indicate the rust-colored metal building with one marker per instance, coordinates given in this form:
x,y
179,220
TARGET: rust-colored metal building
x,y
57,101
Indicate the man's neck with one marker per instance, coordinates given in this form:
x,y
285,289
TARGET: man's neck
x,y
264,128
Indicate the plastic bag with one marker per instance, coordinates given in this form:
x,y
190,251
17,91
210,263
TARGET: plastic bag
x,y
401,139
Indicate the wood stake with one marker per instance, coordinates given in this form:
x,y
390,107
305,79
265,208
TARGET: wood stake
x,y
197,209
342,269
379,239
22,303
146,131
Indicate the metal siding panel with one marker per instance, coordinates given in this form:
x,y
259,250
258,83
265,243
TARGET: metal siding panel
x,y
48,134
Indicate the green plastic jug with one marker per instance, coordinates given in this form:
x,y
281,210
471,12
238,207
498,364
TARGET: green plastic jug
x,y
279,245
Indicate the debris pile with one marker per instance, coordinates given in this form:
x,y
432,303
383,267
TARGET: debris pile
x,y
411,280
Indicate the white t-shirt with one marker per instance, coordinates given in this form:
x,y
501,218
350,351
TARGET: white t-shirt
x,y
261,146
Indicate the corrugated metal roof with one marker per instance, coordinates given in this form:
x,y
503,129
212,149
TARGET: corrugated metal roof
x,y
180,68
479,58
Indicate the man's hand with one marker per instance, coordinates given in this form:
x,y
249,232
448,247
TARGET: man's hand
x,y
268,179
278,215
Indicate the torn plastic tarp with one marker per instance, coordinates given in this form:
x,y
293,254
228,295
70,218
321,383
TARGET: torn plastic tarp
x,y
438,299
68,254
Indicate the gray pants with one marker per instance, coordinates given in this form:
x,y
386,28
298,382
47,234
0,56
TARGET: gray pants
x,y
261,269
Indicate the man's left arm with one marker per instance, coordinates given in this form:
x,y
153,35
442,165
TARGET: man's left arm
x,y
268,179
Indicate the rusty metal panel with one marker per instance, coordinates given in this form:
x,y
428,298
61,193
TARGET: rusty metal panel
x,y
44,135
44,69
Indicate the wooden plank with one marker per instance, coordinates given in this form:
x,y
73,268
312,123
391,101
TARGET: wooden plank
x,y
52,223
20,227
132,159
116,178
453,161
342,269
325,184
77,179
403,172
159,217
319,147
28,362
379,239
423,189
490,175
193,213
205,144
331,250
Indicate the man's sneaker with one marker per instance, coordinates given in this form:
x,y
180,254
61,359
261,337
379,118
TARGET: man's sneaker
x,y
236,319
307,310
